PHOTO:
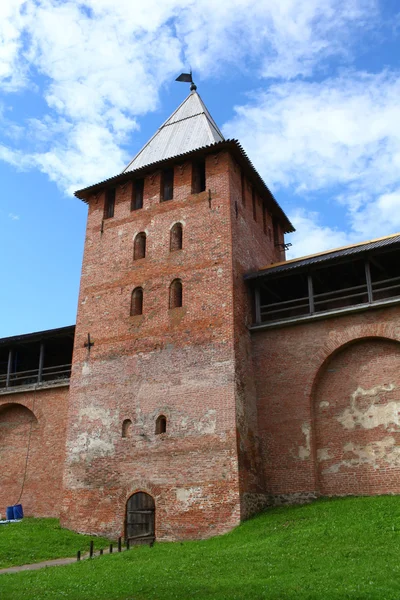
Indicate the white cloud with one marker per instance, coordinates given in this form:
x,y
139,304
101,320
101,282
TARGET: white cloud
x,y
102,64
314,135
379,216
312,237
86,153
13,217
342,133
285,38
12,64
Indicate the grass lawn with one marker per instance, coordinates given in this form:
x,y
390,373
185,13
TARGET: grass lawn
x,y
331,549
34,540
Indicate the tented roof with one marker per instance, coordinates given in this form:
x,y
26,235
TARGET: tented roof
x,y
189,128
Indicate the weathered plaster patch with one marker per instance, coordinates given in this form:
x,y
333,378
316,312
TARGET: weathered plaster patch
x,y
323,454
189,496
376,414
92,445
305,451
208,422
324,404
95,413
373,454
85,369
96,439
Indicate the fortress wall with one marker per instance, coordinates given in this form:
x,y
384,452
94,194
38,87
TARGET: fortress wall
x,y
32,450
329,405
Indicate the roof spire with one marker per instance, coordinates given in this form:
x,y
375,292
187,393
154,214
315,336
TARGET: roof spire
x,y
189,128
187,78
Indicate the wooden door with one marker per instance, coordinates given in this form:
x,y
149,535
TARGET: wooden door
x,y
140,519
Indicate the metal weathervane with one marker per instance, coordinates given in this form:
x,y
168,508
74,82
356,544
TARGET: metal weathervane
x,y
187,78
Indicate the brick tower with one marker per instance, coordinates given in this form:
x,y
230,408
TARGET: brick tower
x,y
162,433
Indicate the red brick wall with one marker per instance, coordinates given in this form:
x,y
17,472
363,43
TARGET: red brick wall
x,y
179,363
328,405
42,416
253,248
356,408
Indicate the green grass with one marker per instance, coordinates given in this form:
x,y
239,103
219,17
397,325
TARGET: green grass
x,y
336,549
34,540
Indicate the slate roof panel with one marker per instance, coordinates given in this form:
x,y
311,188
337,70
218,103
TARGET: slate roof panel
x,y
298,263
189,128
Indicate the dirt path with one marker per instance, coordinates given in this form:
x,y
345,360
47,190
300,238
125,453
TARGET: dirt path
x,y
47,563
50,563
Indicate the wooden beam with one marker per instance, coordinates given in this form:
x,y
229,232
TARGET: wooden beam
x,y
310,293
375,261
257,305
267,289
9,367
369,282
41,362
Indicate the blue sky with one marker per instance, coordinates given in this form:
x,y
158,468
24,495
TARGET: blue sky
x,y
311,89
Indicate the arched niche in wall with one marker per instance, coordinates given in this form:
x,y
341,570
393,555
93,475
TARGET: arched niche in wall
x,y
139,246
137,302
20,444
15,417
176,237
127,428
161,424
175,294
356,406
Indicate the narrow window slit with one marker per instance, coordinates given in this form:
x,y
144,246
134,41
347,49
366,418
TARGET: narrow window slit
x,y
176,237
161,425
139,246
137,302
167,185
198,176
275,227
127,428
109,204
264,215
175,294
137,194
243,182
253,199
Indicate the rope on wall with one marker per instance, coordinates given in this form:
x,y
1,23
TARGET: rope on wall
x,y
27,450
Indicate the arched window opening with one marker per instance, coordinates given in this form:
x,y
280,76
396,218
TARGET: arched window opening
x,y
139,246
161,425
127,428
176,237
175,294
137,302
